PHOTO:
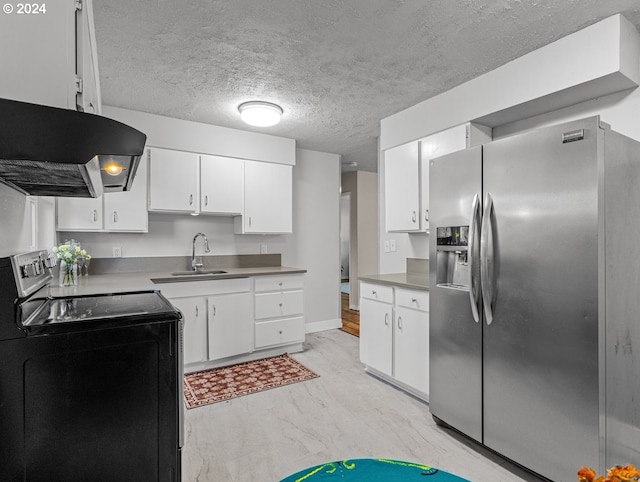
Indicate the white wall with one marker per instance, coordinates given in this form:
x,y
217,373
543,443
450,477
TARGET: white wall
x,y
197,137
315,244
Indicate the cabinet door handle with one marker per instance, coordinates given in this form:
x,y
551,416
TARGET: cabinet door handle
x,y
196,311
413,300
386,319
426,215
115,217
374,292
280,305
413,217
190,199
214,310
94,215
206,200
249,221
400,322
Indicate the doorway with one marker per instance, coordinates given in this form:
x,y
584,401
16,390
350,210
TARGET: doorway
x,y
350,318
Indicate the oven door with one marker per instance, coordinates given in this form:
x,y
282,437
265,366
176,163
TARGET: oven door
x,y
92,403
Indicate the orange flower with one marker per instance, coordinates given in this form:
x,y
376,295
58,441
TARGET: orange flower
x,y
585,474
614,474
623,474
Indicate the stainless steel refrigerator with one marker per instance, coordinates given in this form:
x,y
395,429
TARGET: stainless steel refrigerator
x,y
534,282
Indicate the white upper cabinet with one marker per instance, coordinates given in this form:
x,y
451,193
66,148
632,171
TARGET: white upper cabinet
x,y
268,199
196,184
402,188
221,185
79,214
113,211
173,181
259,194
406,174
127,211
49,41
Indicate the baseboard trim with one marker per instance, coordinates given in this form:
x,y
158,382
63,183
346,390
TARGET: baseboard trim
x,y
323,325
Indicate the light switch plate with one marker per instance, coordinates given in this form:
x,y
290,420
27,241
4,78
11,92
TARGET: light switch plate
x,y
386,246
392,245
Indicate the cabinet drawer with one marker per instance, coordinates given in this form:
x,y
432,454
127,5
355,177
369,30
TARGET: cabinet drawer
x,y
271,305
278,283
279,332
376,292
418,300
204,288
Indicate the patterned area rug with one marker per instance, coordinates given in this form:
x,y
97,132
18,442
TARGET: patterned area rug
x,y
219,384
373,470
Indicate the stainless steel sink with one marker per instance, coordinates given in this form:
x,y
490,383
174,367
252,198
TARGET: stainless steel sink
x,y
199,272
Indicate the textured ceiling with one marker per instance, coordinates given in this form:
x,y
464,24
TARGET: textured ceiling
x,y
335,66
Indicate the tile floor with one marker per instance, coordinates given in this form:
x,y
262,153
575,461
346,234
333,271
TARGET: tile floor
x,y
343,414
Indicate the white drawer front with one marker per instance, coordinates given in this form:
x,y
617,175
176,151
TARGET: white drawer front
x,y
203,288
279,283
272,305
418,300
279,332
376,292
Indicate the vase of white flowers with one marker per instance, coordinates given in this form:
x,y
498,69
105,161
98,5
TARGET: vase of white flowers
x,y
69,253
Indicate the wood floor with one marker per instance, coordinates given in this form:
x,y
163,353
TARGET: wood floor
x,y
350,318
343,414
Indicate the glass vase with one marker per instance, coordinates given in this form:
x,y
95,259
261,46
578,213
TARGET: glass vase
x,y
68,274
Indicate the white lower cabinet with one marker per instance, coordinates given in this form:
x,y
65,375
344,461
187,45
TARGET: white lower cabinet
x,y
279,310
230,325
218,321
394,335
232,320
376,327
194,312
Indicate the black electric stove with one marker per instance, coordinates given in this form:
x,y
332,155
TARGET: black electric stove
x,y
90,386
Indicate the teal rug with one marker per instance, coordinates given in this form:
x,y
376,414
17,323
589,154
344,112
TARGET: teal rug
x,y
372,470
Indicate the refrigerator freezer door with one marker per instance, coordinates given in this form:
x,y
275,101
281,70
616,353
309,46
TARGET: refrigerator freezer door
x,y
540,351
455,362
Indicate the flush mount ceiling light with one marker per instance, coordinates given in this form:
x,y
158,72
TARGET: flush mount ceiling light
x,y
259,113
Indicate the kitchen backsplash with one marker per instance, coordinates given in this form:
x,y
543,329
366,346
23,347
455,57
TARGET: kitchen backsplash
x,y
171,263
418,266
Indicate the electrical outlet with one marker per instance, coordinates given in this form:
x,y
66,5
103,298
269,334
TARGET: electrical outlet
x,y
263,248
392,245
117,251
386,246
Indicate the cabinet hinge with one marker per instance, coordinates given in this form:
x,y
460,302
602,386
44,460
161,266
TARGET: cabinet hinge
x,y
78,4
78,85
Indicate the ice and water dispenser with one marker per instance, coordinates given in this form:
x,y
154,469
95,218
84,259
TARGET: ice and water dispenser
x,y
452,261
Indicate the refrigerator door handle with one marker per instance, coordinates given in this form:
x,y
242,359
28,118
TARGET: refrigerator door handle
x,y
473,230
486,259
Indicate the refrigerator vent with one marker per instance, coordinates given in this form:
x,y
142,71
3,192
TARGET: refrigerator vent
x,y
573,136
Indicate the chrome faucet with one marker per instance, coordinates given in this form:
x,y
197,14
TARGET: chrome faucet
x,y
194,264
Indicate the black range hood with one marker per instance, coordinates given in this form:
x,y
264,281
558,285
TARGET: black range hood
x,y
47,151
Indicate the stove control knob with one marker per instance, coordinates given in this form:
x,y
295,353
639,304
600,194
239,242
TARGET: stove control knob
x,y
49,262
28,270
